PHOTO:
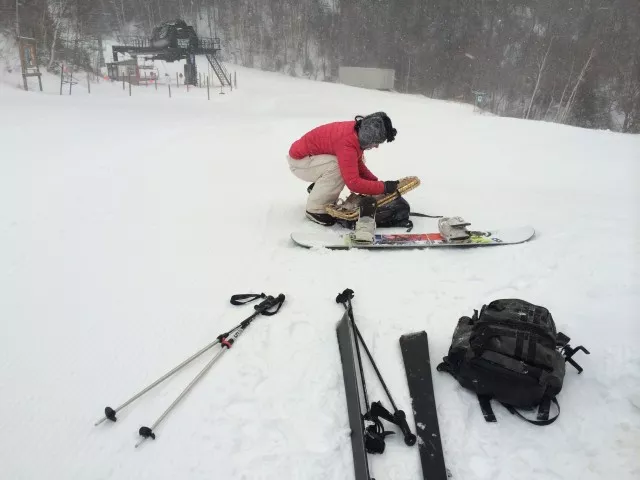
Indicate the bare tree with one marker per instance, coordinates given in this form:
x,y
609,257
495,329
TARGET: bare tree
x,y
58,10
566,87
541,69
572,97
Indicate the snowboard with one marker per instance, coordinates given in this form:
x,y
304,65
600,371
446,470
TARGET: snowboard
x,y
417,364
335,240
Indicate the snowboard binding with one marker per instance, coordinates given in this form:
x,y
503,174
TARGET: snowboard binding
x,y
365,228
454,229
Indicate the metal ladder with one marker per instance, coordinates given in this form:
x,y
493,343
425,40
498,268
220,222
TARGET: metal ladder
x,y
220,71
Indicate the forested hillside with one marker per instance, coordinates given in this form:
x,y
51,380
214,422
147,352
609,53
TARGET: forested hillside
x,y
574,62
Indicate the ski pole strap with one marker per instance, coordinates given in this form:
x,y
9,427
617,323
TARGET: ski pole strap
x,y
244,298
374,438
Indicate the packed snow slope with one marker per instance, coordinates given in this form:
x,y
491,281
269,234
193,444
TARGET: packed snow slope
x,y
127,222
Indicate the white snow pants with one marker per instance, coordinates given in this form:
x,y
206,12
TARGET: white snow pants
x,y
324,171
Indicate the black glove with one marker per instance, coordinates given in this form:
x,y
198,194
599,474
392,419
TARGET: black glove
x,y
390,186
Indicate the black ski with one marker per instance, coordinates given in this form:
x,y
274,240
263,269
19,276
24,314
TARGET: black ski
x,y
350,373
417,364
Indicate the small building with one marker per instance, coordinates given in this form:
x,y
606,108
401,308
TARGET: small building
x,y
127,70
373,78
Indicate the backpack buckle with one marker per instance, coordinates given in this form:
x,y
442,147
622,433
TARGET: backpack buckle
x,y
569,352
562,342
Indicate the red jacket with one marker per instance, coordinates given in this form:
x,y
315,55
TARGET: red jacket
x,y
340,139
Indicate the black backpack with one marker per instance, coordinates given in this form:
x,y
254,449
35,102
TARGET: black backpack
x,y
394,214
512,352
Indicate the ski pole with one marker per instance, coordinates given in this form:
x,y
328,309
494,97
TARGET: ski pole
x,y
147,432
399,418
110,413
264,308
345,298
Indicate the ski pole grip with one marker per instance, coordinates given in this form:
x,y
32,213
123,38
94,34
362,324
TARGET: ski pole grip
x,y
401,421
347,294
265,307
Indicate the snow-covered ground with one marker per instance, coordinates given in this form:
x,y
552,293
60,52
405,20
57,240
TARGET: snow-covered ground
x,y
126,223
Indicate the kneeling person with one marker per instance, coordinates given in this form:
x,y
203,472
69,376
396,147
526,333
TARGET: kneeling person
x,y
332,156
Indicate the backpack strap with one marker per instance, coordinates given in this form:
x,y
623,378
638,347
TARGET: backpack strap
x,y
543,412
408,224
423,215
485,406
545,407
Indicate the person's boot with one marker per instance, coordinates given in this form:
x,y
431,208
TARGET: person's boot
x,y
321,218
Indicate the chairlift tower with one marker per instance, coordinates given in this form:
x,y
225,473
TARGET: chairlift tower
x,y
175,41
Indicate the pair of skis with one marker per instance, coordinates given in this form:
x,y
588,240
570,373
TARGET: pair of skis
x,y
367,432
